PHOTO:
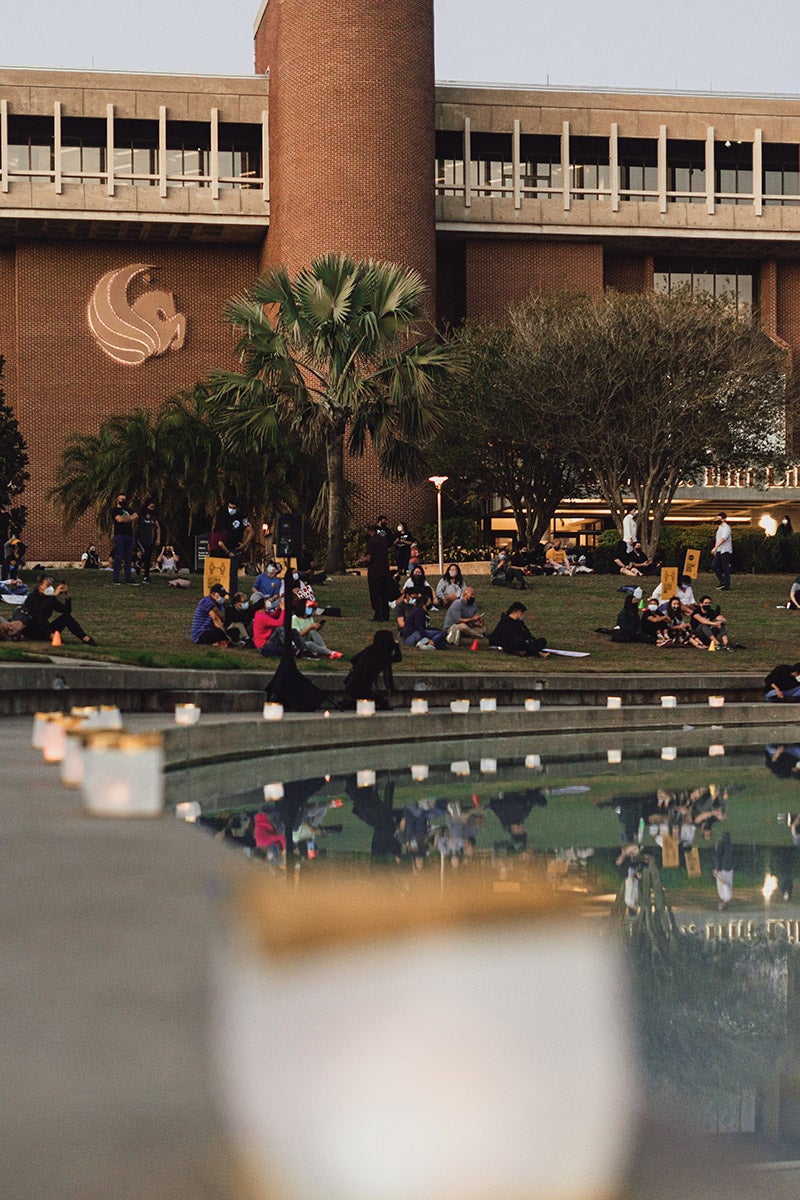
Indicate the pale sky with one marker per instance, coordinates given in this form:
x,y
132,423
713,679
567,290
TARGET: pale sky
x,y
688,45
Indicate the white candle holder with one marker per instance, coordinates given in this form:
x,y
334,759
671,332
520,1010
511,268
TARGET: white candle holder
x,y
365,778
123,773
669,753
614,702
187,714
614,756
419,772
460,768
532,705
54,739
533,761
273,791
40,721
669,701
716,750
419,707
365,708
272,711
459,706
716,701
488,704
188,810
488,766
72,762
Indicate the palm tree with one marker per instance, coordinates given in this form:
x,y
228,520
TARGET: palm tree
x,y
336,352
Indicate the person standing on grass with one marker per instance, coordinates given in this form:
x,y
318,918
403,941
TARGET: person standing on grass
x,y
148,535
722,552
379,573
122,522
208,627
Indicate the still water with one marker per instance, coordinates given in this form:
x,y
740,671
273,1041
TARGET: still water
x,y
694,860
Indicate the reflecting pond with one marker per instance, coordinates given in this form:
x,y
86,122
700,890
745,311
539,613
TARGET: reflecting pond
x,y
691,855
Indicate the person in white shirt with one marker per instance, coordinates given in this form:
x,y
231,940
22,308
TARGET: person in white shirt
x,y
683,592
722,553
629,528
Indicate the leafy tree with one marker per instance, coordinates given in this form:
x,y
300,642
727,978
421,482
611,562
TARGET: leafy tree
x,y
13,459
663,385
335,353
189,455
503,424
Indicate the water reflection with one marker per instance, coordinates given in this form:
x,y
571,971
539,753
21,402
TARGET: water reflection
x,y
676,853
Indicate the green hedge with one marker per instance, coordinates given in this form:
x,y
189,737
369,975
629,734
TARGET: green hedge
x,y
752,550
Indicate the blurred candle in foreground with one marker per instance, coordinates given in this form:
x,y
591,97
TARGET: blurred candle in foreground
x,y
520,1082
123,773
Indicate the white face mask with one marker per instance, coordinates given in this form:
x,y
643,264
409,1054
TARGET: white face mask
x,y
50,591
232,511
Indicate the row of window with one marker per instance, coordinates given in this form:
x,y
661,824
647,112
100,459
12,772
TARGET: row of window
x,y
135,161
542,171
732,280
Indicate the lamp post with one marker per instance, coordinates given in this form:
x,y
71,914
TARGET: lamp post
x,y
438,482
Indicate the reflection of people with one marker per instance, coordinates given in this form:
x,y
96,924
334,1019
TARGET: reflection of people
x,y
723,870
512,809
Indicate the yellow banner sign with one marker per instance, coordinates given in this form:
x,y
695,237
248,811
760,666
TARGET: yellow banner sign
x,y
691,564
669,582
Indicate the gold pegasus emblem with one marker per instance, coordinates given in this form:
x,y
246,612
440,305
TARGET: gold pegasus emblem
x,y
132,333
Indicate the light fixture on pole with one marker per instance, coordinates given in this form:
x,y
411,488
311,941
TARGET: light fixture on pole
x,y
438,482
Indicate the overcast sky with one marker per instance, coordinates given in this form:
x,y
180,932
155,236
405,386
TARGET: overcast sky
x,y
689,45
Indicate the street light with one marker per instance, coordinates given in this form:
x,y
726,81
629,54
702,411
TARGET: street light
x,y
438,482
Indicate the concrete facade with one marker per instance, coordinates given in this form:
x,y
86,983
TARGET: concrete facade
x,y
193,185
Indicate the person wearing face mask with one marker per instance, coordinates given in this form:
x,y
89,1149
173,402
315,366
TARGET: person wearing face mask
x,y
148,535
450,587
122,523
47,601
402,549
305,624
267,589
653,622
230,535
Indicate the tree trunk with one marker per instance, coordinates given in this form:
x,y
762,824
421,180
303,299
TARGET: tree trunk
x,y
334,457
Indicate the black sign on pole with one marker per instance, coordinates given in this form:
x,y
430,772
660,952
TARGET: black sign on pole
x,y
200,551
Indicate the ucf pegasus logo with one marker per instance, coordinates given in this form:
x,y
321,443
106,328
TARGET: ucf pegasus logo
x,y
130,333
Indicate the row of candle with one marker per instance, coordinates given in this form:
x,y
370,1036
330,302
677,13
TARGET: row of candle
x,y
120,774
667,701
668,753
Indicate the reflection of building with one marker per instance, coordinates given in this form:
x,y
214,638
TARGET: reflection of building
x,y
205,180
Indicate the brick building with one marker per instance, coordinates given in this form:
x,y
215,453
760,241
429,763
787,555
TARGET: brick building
x,y
133,206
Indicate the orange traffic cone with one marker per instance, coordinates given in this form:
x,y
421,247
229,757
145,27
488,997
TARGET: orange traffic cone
x,y
55,640
474,645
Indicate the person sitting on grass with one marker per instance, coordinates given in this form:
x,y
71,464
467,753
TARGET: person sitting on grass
x,y
556,558
683,592
208,627
305,624
12,630
653,623
512,636
629,625
368,666
463,619
416,584
47,601
709,624
679,632
793,603
416,628
450,587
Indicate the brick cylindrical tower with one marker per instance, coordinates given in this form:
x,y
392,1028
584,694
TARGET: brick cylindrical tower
x,y
352,149
352,131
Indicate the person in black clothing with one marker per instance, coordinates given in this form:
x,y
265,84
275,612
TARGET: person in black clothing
x,y
379,574
629,625
122,523
783,683
512,809
45,601
148,535
402,549
368,666
512,635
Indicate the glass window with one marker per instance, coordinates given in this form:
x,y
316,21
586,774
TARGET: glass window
x,y
720,278
638,168
188,153
781,182
239,155
686,171
540,165
589,167
31,150
136,153
733,166
83,149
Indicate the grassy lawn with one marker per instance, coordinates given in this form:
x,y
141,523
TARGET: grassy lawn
x,y
149,626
